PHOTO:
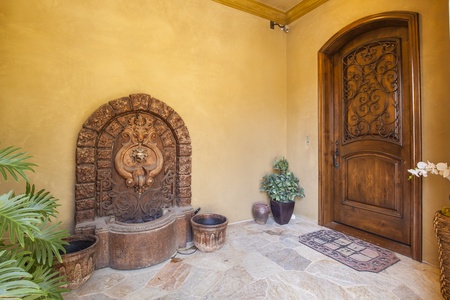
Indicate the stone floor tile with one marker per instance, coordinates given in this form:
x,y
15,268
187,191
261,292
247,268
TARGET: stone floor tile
x,y
250,243
100,296
259,266
278,288
262,262
404,292
233,280
147,293
200,281
372,292
273,246
219,260
171,277
100,282
127,286
304,283
288,259
254,291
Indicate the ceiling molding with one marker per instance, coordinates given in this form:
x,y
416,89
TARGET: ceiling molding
x,y
302,9
257,9
267,12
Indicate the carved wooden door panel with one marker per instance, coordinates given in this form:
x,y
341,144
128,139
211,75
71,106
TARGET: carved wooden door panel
x,y
370,120
372,135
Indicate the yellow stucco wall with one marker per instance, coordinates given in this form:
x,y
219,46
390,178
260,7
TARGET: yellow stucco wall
x,y
222,70
246,93
309,34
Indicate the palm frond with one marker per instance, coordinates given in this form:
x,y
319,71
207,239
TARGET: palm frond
x,y
49,282
48,243
18,218
13,252
14,163
26,270
18,264
15,282
42,201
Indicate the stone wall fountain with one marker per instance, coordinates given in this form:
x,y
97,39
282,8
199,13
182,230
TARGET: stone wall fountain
x,y
133,182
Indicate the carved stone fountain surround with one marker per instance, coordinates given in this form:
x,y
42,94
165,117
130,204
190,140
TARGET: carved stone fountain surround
x,y
133,182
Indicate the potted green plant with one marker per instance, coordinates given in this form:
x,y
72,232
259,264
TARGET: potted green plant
x,y
28,240
282,187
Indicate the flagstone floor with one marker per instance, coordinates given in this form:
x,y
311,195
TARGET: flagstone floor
x,y
262,262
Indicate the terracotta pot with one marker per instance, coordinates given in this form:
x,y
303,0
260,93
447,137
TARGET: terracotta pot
x,y
78,263
209,231
260,212
282,212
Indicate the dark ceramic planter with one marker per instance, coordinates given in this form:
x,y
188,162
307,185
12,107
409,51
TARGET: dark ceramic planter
x,y
260,212
282,212
78,263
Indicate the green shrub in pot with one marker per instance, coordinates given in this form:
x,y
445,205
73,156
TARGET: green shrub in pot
x,y
282,187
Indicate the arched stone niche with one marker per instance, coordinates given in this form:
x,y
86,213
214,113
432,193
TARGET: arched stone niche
x,y
133,175
99,141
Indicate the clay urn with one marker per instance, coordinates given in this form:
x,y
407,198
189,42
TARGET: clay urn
x,y
78,263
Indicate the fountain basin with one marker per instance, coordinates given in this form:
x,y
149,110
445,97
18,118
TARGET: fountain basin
x,y
129,246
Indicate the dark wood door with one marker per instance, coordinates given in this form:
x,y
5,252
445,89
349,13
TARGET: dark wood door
x,y
373,132
371,128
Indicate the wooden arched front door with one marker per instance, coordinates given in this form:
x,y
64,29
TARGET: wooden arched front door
x,y
370,132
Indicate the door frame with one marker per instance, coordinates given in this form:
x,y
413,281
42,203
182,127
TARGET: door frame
x,y
410,20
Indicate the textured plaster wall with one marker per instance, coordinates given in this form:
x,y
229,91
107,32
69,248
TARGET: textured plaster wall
x,y
309,34
222,70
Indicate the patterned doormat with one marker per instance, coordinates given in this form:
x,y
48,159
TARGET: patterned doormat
x,y
353,252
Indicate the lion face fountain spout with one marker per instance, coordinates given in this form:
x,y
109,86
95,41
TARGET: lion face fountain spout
x,y
133,181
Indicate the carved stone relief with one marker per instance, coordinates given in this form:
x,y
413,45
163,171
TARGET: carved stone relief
x,y
139,160
133,161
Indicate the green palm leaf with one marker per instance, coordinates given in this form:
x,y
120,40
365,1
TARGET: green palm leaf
x,y
26,270
15,281
41,202
48,243
13,252
49,282
14,163
45,281
17,217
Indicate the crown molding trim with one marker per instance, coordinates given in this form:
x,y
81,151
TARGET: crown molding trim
x,y
257,9
302,9
267,12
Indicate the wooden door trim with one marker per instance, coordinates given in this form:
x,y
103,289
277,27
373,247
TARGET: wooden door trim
x,y
410,20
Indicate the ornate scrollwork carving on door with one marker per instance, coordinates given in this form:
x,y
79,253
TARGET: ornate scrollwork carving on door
x,y
371,95
139,160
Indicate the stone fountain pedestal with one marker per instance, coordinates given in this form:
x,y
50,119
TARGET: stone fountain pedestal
x,y
126,246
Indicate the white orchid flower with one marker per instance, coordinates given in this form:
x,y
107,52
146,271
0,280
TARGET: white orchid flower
x,y
438,169
422,165
444,170
414,172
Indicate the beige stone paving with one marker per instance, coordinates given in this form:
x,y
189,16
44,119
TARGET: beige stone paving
x,y
262,262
